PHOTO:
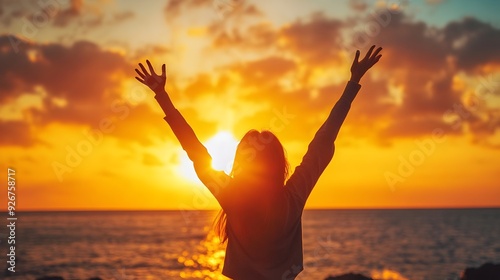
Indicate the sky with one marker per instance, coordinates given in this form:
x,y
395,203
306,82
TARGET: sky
x,y
82,134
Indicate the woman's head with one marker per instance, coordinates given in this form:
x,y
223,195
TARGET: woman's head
x,y
260,169
260,156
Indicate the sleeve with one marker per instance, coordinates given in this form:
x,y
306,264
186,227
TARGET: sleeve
x,y
215,181
320,151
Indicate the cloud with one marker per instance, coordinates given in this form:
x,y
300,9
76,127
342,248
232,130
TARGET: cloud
x,y
18,134
315,41
175,7
421,61
255,37
473,43
83,15
294,65
82,75
223,8
358,5
65,16
80,85
38,13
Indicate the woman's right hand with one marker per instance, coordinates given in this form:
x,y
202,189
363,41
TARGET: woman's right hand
x,y
154,81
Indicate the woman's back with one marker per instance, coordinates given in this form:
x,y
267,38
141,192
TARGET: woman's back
x,y
263,242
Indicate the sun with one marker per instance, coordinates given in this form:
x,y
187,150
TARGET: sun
x,y
221,146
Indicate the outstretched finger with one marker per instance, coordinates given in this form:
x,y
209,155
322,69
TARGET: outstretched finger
x,y
151,67
140,73
356,58
163,70
369,53
140,80
374,55
143,69
377,58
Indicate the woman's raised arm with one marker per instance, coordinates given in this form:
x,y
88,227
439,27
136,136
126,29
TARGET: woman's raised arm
x,y
320,150
214,180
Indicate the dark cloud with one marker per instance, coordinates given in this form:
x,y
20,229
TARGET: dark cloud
x,y
82,74
410,45
473,43
82,85
419,58
16,133
315,41
63,17
18,72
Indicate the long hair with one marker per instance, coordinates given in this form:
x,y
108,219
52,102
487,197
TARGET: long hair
x,y
260,162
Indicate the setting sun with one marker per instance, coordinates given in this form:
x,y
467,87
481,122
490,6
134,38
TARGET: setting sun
x,y
221,146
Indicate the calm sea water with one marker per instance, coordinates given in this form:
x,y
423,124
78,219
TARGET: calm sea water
x,y
389,244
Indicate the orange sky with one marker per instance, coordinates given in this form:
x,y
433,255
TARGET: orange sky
x,y
81,133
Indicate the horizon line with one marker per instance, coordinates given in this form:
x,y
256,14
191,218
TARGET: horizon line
x,y
216,209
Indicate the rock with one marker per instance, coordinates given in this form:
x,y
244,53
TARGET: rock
x,y
350,276
487,271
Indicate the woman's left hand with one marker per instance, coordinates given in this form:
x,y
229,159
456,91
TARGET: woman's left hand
x,y
359,68
154,81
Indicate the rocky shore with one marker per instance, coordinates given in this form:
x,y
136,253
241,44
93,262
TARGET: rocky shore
x,y
487,271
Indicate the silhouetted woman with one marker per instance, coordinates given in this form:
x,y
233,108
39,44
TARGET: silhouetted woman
x,y
261,210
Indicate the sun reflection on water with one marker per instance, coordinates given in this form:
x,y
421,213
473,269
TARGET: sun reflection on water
x,y
206,263
387,274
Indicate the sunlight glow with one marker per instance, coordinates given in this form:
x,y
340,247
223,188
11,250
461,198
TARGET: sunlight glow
x,y
221,146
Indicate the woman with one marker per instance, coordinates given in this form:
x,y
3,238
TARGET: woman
x,y
261,210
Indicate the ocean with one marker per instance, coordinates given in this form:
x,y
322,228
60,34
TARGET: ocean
x,y
384,244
